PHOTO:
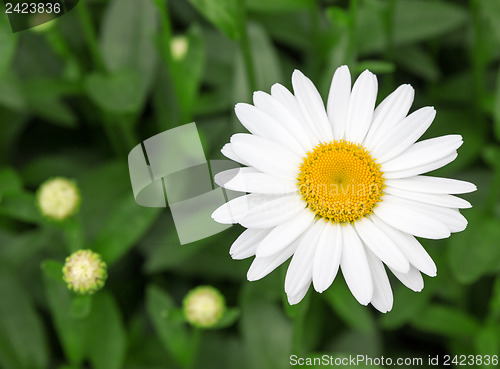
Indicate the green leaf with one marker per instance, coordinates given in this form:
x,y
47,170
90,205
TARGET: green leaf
x,y
496,107
278,5
117,93
10,181
53,269
72,333
266,64
230,317
107,337
53,111
446,321
20,206
18,248
187,72
22,337
414,21
267,332
81,306
407,304
417,20
127,40
123,229
375,66
224,14
8,43
172,333
467,263
349,310
495,300
487,340
11,94
418,61
491,12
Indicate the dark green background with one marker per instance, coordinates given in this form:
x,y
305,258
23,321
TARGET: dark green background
x,y
77,95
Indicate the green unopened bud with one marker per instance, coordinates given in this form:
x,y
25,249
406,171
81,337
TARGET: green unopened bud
x,y
58,198
179,47
85,272
204,306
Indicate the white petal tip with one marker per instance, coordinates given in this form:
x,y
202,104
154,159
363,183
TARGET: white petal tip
x,y
252,278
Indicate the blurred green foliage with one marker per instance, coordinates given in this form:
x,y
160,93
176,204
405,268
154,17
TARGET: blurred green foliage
x,y
76,96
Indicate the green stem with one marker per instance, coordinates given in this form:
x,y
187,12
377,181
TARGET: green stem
x,y
119,135
351,56
195,346
299,316
90,35
298,333
493,194
246,49
389,52
313,59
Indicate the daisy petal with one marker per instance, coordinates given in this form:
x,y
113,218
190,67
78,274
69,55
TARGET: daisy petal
x,y
279,112
227,175
299,271
361,105
390,111
338,101
381,245
284,234
261,124
249,179
410,172
265,155
355,267
410,247
228,152
327,257
246,244
409,220
452,218
263,266
413,279
286,98
232,211
273,212
424,152
405,134
432,185
312,106
295,299
447,201
382,298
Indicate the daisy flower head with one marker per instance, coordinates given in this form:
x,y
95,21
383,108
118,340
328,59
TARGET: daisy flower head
x,y
340,188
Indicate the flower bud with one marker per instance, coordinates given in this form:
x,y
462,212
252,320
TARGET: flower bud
x,y
204,306
179,47
58,198
85,272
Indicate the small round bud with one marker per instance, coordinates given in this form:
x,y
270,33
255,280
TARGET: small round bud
x,y
85,272
179,47
204,306
58,198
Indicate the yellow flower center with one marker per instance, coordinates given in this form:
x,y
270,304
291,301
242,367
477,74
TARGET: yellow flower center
x,y
340,181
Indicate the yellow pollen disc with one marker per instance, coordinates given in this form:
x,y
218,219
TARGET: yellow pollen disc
x,y
340,181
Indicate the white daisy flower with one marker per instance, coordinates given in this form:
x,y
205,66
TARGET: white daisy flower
x,y
341,187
